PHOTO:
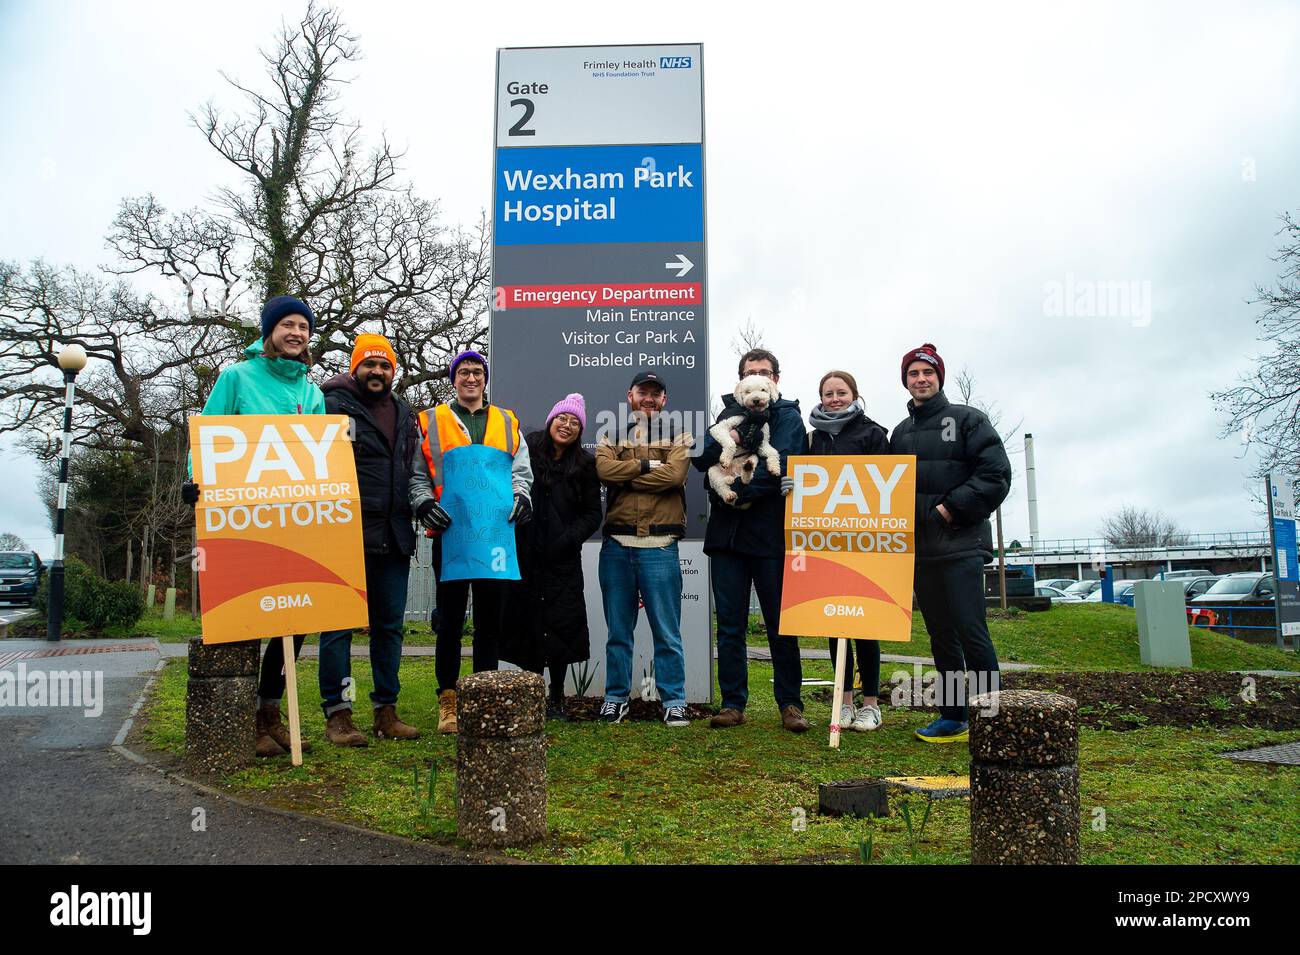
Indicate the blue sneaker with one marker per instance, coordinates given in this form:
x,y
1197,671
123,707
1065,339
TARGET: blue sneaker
x,y
944,731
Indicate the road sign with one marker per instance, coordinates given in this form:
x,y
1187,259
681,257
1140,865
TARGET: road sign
x,y
1280,491
600,267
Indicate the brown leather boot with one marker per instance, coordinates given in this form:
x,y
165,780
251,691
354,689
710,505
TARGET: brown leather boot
x,y
265,745
447,712
727,718
276,729
792,719
340,731
388,726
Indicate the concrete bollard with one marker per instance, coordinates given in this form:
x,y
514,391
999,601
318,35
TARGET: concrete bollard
x,y
1024,779
220,704
501,758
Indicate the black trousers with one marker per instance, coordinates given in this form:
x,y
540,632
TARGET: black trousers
x,y
950,594
868,664
448,622
270,684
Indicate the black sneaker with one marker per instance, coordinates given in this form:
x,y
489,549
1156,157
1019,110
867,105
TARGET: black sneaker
x,y
612,712
676,716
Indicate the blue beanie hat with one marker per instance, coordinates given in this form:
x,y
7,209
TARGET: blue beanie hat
x,y
282,305
473,356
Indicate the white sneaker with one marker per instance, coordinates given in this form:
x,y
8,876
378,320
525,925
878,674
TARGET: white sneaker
x,y
847,712
868,719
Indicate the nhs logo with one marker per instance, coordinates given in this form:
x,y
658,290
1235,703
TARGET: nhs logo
x,y
674,62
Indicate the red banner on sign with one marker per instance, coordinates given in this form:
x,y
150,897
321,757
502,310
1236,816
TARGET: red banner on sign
x,y
598,296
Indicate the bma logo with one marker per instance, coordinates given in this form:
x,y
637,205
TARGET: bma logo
x,y
674,62
284,601
842,610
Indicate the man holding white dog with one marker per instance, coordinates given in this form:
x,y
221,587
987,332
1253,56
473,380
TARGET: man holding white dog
x,y
745,540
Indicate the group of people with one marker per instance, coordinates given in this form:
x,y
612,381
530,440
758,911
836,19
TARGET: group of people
x,y
539,622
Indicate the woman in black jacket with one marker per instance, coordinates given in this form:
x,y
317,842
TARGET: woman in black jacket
x,y
840,426
547,608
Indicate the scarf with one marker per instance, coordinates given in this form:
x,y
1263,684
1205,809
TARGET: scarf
x,y
833,422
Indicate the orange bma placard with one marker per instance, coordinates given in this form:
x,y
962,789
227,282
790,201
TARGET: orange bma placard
x,y
279,526
850,542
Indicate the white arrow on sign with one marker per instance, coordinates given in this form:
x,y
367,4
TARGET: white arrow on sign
x,y
683,265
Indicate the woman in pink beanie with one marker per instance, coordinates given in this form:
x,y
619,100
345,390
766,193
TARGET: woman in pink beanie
x,y
546,612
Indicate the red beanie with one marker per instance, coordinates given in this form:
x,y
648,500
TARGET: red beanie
x,y
926,352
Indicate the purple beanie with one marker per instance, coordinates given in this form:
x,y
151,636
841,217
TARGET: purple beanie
x,y
471,354
572,404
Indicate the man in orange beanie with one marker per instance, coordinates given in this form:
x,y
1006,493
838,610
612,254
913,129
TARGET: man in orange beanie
x,y
386,442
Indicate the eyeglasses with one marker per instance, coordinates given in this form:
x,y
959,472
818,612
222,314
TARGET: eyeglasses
x,y
469,372
765,372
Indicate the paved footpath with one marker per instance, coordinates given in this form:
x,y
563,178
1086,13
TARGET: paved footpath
x,y
67,796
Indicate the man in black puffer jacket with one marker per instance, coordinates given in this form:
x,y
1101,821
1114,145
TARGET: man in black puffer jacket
x,y
745,542
385,441
962,476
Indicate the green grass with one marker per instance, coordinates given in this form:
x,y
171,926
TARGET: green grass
x,y
646,793
1084,637
1087,637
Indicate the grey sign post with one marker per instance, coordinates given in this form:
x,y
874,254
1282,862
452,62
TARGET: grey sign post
x,y
599,270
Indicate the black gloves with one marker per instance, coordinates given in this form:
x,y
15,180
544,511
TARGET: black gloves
x,y
433,517
190,493
522,512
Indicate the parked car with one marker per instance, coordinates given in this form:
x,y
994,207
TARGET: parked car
x,y
1122,587
1236,588
1058,595
1060,583
1082,588
20,575
1178,574
1193,587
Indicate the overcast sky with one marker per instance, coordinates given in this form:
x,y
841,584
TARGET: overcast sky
x,y
878,176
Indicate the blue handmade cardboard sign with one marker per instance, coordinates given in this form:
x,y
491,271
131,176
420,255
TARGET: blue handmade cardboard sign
x,y
476,492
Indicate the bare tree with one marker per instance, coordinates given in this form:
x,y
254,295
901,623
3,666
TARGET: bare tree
x,y
317,215
1132,526
1264,407
10,541
748,337
965,382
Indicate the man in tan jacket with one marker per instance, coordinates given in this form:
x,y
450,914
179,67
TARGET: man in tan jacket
x,y
644,473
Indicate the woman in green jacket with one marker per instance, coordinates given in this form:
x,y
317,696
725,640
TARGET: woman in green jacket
x,y
273,380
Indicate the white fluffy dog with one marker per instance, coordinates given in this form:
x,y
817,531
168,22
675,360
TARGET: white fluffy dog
x,y
755,394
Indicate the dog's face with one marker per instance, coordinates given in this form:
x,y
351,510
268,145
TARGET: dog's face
x,y
756,392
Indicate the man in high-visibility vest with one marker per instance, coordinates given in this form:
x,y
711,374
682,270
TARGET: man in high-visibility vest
x,y
469,419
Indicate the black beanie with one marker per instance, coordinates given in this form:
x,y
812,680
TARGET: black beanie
x,y
282,305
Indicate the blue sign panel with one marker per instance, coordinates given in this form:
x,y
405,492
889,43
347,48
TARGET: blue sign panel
x,y
476,492
589,194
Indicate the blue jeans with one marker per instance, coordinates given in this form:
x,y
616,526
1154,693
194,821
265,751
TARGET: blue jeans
x,y
656,573
386,576
732,574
